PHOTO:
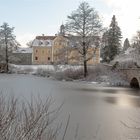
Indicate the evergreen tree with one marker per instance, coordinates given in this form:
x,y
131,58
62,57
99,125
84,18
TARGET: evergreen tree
x,y
7,42
126,45
104,47
113,39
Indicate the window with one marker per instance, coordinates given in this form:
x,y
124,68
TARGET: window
x,y
36,58
47,43
48,58
40,43
36,51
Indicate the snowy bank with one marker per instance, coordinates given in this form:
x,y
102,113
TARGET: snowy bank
x,y
97,74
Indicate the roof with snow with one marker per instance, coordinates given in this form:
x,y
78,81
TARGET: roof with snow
x,y
45,37
47,41
23,50
43,41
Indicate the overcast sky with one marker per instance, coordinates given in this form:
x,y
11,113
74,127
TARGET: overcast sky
x,y
36,17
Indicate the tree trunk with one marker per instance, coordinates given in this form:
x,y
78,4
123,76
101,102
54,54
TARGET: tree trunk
x,y
85,61
7,68
85,69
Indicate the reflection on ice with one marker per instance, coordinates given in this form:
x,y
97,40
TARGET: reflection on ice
x,y
89,105
124,101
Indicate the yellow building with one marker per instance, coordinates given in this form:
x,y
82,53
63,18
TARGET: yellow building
x,y
42,49
93,56
61,49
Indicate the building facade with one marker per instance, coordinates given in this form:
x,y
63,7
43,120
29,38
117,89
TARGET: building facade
x,y
61,49
42,49
22,56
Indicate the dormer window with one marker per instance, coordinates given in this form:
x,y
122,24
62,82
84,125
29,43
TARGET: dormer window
x,y
47,42
40,42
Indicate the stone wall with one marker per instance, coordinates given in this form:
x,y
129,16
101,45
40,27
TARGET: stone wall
x,y
132,73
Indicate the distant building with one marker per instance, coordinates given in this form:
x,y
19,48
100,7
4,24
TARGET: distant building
x,y
60,49
74,57
22,56
42,49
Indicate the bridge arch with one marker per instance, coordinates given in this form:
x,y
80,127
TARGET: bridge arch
x,y
134,83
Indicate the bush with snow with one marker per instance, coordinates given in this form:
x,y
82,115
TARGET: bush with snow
x,y
44,72
23,120
96,73
105,74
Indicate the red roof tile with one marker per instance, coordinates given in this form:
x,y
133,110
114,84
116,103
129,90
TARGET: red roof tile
x,y
45,37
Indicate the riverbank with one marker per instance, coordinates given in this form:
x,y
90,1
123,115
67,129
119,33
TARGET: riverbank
x,y
99,74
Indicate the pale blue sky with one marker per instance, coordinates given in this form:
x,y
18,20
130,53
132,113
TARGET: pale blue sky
x,y
35,17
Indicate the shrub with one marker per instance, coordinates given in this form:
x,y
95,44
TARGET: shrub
x,y
27,120
69,74
44,72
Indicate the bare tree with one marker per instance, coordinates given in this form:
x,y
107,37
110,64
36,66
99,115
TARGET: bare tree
x,y
86,25
28,120
30,44
61,56
135,52
136,41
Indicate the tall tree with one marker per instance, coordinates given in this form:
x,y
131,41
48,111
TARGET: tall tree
x,y
126,45
7,41
136,48
113,36
104,47
85,24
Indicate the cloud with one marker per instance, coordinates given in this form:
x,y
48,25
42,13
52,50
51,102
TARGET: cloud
x,y
127,13
23,39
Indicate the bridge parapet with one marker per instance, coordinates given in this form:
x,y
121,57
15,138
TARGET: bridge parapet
x,y
132,73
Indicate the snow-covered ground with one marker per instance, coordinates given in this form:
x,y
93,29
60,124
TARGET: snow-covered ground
x,y
32,69
99,74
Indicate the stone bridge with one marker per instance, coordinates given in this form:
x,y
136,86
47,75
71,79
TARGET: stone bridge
x,y
133,76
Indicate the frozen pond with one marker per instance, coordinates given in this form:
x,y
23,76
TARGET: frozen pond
x,y
96,113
